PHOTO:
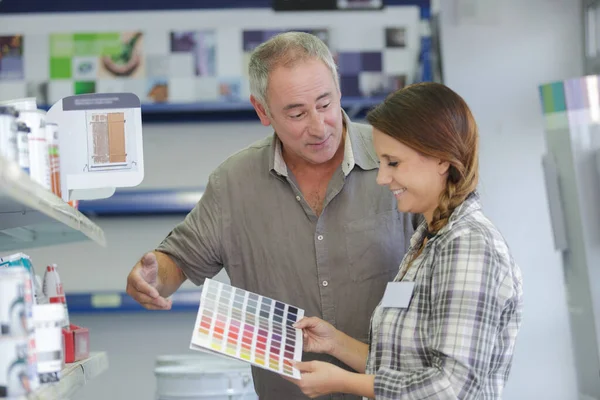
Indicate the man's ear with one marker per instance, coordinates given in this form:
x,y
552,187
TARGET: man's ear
x,y
260,110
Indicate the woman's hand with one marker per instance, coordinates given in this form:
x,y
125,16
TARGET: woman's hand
x,y
318,336
320,378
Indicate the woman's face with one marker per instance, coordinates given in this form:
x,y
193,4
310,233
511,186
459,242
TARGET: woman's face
x,y
415,179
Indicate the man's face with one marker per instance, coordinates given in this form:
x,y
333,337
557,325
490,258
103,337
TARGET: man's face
x,y
305,110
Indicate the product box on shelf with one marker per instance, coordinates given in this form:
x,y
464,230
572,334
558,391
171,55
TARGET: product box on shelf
x,y
76,341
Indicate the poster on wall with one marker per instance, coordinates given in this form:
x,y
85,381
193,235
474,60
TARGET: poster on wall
x,y
208,64
11,58
202,47
379,71
96,55
87,58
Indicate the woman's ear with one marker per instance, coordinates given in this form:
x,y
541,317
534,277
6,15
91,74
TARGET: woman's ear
x,y
443,167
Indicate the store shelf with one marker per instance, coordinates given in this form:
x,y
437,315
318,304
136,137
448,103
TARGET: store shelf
x,y
108,302
144,202
39,6
31,216
73,377
230,110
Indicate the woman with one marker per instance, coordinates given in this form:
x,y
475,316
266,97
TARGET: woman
x,y
453,336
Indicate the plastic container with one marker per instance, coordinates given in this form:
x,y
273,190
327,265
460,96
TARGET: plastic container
x,y
8,133
39,168
17,343
208,381
28,103
14,310
14,367
48,320
53,290
53,157
23,260
23,132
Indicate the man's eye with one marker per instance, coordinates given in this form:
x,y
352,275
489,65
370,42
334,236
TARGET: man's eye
x,y
393,163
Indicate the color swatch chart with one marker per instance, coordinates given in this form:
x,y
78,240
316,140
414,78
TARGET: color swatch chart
x,y
249,327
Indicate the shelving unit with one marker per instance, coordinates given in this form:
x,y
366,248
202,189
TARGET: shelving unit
x,y
73,377
32,216
231,110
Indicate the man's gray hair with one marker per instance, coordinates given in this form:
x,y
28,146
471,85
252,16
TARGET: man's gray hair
x,y
286,49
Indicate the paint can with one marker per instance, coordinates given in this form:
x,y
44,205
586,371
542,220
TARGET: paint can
x,y
205,381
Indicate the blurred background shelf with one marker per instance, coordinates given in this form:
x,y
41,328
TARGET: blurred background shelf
x,y
234,110
144,202
111,302
31,216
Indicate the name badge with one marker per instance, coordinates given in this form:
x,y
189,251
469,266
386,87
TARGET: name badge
x,y
397,294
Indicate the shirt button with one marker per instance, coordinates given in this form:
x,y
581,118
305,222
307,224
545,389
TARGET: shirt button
x,y
320,237
325,283
298,198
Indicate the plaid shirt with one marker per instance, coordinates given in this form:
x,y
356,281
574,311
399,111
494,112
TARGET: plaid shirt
x,y
457,336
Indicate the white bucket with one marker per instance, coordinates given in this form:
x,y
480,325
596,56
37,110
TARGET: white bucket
x,y
200,359
203,377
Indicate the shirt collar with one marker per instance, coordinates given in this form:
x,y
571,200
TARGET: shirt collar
x,y
355,151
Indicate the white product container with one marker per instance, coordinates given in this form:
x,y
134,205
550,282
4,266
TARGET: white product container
x,y
8,133
17,342
53,157
15,310
52,289
28,103
48,320
23,132
14,367
39,168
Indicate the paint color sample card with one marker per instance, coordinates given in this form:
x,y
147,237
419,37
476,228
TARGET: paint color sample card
x,y
249,327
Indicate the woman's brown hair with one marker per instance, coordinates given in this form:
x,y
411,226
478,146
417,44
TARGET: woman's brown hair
x,y
435,121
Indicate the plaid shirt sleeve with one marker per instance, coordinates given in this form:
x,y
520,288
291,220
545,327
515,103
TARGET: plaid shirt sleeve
x,y
471,287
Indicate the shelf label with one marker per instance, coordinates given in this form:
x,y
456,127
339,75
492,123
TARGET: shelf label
x,y
106,300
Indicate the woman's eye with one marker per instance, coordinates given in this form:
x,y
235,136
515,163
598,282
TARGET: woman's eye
x,y
393,163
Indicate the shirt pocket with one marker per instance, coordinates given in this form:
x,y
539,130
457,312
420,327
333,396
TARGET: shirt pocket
x,y
374,247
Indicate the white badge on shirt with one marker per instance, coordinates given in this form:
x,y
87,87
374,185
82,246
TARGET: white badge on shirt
x,y
397,294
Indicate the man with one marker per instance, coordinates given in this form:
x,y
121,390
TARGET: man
x,y
298,216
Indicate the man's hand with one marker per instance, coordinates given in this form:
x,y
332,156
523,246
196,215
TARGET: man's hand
x,y
143,284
